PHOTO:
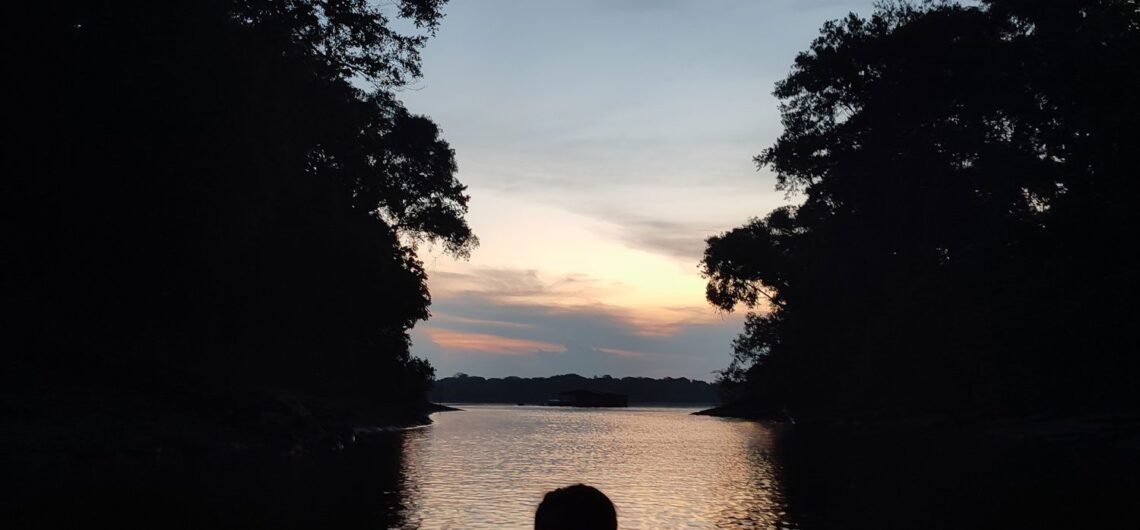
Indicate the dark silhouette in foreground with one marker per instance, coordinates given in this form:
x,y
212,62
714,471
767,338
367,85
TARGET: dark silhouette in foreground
x,y
577,507
836,477
214,239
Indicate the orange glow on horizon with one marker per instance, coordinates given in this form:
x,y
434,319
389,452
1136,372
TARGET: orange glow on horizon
x,y
488,343
587,269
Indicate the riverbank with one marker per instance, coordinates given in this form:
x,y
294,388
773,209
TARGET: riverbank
x,y
1119,429
98,421
738,410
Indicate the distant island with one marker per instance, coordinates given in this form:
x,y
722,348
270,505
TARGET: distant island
x,y
463,388
586,398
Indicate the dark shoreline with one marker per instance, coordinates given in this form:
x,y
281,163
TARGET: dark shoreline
x,y
1119,429
736,410
90,426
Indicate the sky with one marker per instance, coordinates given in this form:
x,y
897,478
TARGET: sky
x,y
602,141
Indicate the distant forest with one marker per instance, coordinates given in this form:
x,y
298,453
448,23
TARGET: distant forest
x,y
963,242
463,388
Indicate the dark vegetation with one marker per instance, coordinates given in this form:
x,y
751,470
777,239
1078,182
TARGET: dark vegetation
x,y
948,479
215,219
463,388
965,245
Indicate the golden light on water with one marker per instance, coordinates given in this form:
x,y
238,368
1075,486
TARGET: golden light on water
x,y
489,466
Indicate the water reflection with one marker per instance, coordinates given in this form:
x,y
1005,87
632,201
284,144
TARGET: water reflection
x,y
488,467
758,500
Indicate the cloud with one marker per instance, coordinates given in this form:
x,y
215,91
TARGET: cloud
x,y
623,353
567,297
476,322
487,343
504,281
514,284
669,237
476,333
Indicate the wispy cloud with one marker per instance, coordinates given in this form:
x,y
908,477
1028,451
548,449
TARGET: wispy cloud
x,y
621,352
444,318
564,296
519,285
684,240
459,341
482,335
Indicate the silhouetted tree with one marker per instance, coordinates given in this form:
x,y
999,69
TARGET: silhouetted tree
x,y
230,188
967,191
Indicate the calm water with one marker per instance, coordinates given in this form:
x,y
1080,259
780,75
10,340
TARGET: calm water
x,y
488,467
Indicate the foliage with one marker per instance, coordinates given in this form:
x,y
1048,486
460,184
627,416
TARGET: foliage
x,y
209,188
966,184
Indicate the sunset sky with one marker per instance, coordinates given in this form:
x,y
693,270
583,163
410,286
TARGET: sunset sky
x,y
602,141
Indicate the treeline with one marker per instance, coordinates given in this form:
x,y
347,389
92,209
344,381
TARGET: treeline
x,y
463,388
225,194
965,244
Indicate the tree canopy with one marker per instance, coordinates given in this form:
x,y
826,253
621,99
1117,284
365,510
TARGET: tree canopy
x,y
962,242
231,188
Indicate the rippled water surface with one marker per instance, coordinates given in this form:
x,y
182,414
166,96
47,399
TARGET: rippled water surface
x,y
488,467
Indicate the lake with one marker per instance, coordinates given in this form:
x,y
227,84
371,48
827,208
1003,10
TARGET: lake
x,y
489,465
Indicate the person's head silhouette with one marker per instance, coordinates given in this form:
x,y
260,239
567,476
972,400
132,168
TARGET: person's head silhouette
x,y
577,507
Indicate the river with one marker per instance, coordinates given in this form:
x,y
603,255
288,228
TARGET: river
x,y
489,465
